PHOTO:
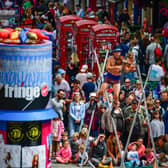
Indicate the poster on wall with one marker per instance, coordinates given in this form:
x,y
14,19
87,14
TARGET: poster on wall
x,y
15,133
32,133
24,133
34,156
27,85
10,156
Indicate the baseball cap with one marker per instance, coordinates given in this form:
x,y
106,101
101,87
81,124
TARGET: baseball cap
x,y
44,17
89,75
61,71
134,101
116,49
84,68
92,94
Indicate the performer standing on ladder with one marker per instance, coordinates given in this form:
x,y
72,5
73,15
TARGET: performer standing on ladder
x,y
115,64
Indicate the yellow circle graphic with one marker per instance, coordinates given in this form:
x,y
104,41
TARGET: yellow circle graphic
x,y
33,132
15,134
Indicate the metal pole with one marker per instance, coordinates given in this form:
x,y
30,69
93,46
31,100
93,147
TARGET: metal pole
x,y
93,111
101,72
113,123
150,130
115,130
133,123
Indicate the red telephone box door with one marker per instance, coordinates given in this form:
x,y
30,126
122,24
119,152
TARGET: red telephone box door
x,y
82,29
64,41
103,37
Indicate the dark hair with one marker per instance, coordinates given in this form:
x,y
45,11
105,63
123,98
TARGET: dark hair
x,y
157,100
76,81
162,137
60,90
158,59
134,101
78,5
121,92
157,112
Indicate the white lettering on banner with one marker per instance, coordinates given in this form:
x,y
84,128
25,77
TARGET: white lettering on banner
x,y
28,93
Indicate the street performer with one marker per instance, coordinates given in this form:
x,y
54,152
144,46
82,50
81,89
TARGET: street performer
x,y
115,64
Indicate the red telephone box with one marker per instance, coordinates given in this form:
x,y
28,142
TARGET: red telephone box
x,y
103,37
64,38
81,33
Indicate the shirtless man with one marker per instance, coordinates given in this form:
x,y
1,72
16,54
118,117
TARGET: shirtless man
x,y
114,67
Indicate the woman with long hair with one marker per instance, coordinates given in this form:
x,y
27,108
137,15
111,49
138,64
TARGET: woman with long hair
x,y
76,114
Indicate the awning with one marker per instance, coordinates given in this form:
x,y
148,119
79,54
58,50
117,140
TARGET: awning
x,y
33,115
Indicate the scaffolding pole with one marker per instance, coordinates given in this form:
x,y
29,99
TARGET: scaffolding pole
x,y
93,111
146,110
101,72
134,120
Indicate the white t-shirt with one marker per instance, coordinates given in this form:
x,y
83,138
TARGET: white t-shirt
x,y
82,77
156,73
64,85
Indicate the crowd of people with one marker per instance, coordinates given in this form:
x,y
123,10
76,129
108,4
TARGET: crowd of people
x,y
76,95
43,14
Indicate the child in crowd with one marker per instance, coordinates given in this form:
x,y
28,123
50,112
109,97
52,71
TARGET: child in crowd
x,y
57,127
130,63
163,160
85,126
132,156
82,154
64,137
157,125
74,145
148,157
65,154
82,139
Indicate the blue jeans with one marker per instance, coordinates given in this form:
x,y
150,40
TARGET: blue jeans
x,y
73,127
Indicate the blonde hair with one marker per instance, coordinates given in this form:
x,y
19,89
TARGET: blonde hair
x,y
74,58
82,146
76,134
149,103
65,133
83,132
73,98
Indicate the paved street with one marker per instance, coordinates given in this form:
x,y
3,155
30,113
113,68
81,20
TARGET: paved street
x,y
56,165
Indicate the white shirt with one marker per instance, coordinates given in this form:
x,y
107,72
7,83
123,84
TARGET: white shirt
x,y
156,73
82,77
64,85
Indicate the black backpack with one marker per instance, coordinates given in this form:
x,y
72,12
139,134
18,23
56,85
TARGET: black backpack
x,y
140,58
